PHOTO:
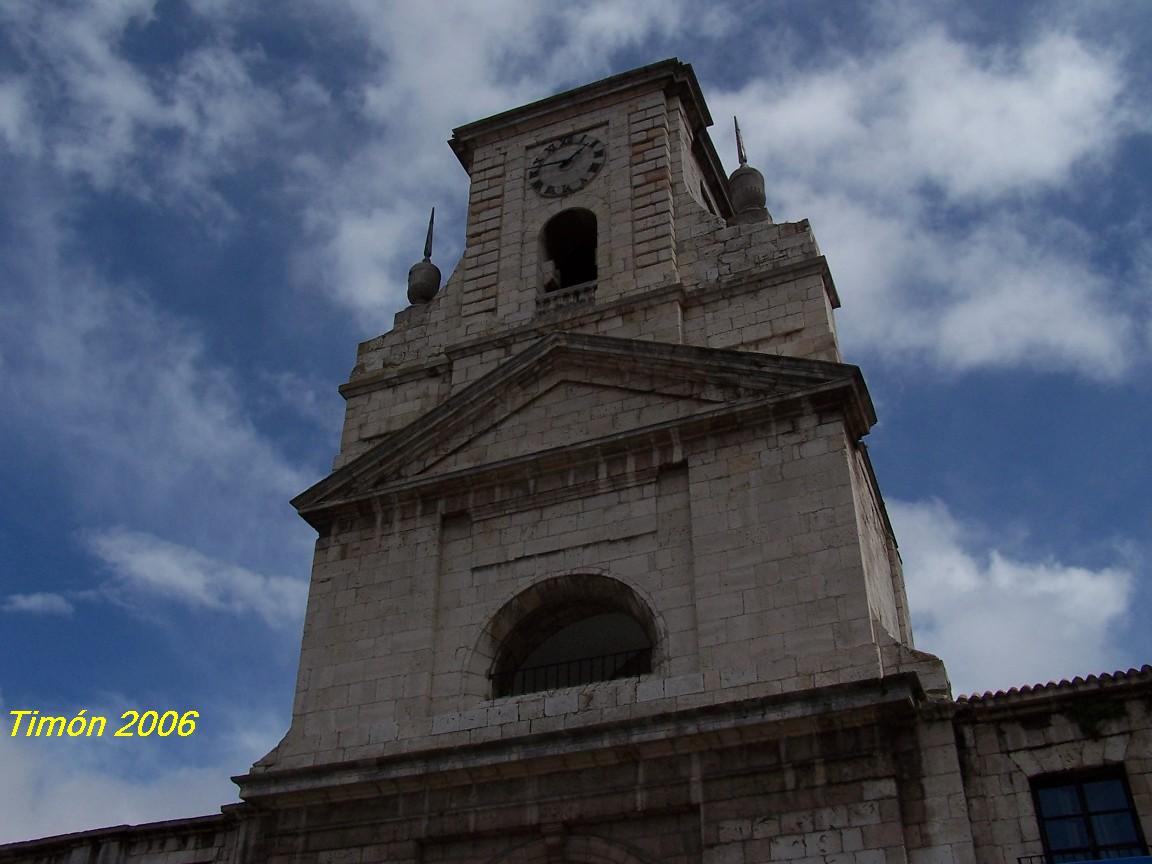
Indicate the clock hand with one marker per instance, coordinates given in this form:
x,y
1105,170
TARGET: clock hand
x,y
566,161
575,153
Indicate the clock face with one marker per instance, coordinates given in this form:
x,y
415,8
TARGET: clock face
x,y
566,165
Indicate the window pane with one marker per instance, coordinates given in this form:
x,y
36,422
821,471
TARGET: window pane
x,y
1058,801
1113,828
1067,833
1105,795
1122,852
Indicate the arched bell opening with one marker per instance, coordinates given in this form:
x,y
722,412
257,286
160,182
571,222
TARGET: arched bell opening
x,y
568,249
571,630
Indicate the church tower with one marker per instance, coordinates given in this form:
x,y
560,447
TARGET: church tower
x,y
602,564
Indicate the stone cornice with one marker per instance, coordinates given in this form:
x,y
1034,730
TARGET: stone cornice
x,y
518,475
819,385
671,71
680,732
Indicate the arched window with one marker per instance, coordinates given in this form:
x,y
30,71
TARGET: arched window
x,y
568,249
571,630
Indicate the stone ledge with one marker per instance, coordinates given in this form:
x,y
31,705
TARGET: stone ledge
x,y
691,730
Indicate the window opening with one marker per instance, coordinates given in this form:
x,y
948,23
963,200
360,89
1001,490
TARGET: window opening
x,y
570,630
600,647
1087,817
569,249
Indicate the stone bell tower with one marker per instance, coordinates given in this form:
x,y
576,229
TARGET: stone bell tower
x,y
602,559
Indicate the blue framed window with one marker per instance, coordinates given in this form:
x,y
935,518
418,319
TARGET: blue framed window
x,y
1087,816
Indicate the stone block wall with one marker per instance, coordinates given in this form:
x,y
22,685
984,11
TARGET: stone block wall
x,y
690,187
847,775
744,544
851,794
500,274
883,572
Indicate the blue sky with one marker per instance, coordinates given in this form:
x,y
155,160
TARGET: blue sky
x,y
206,206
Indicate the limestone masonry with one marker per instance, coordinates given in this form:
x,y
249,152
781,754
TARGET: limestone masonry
x,y
603,572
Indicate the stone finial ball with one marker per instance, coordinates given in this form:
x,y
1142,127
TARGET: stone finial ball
x,y
746,186
423,282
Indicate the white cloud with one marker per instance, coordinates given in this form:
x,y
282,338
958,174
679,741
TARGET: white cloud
x,y
369,248
123,126
921,168
130,403
106,99
1002,293
308,397
39,603
997,124
16,129
147,432
997,621
143,564
590,33
495,56
1027,298
979,124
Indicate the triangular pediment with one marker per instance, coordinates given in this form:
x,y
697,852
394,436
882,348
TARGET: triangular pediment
x,y
567,411
568,390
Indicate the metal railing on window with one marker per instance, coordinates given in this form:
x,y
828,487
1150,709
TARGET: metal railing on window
x,y
571,673
562,298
